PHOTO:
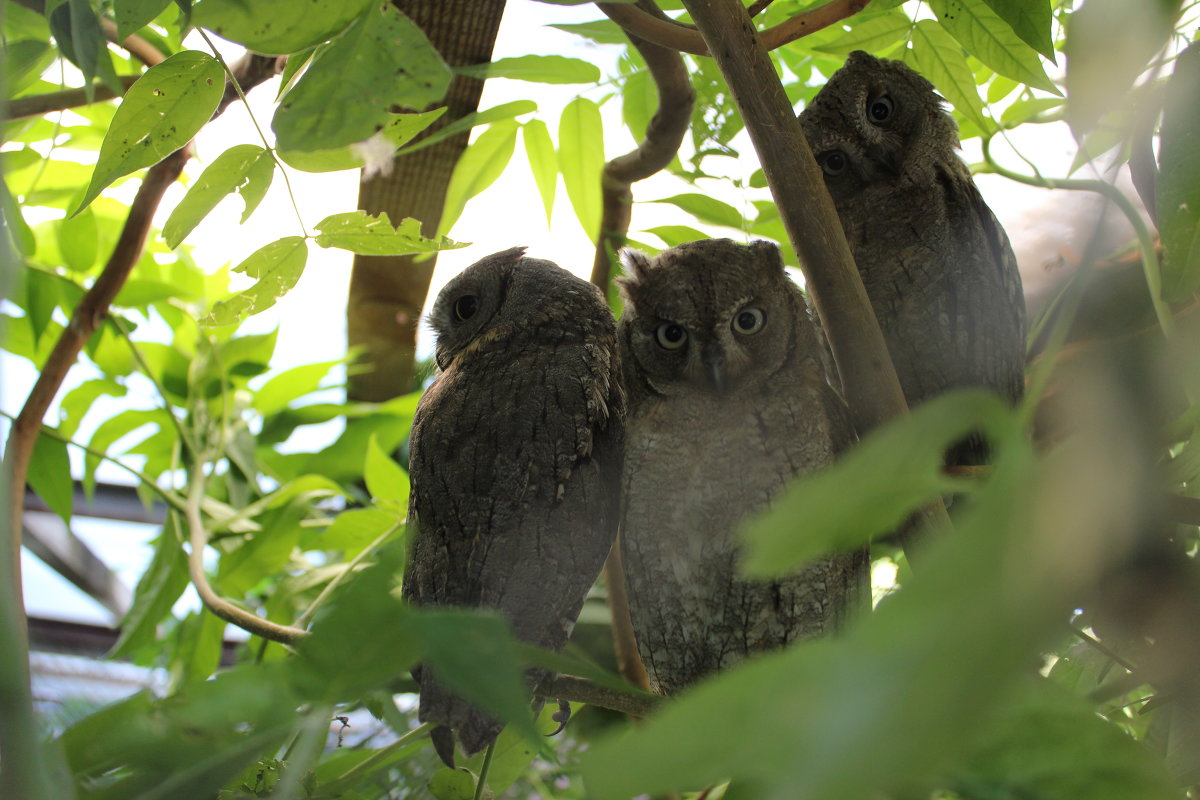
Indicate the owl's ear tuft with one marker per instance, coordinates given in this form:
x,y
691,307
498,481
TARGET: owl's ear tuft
x,y
767,254
637,267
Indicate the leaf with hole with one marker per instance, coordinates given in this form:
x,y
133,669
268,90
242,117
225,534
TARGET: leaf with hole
x,y
359,232
245,168
277,266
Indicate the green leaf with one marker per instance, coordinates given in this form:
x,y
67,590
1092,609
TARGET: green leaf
x,y
158,115
452,784
873,35
383,60
78,240
290,385
353,530
76,28
601,31
480,165
1050,744
675,235
277,27
199,638
1024,110
1178,186
992,40
639,102
132,15
244,168
265,552
277,266
24,62
939,58
1107,48
50,475
892,472
1032,20
543,162
385,478
581,160
398,131
114,428
157,590
79,400
538,69
495,114
359,232
707,209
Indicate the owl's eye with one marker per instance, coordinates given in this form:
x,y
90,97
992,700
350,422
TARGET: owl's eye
x,y
670,335
880,109
749,320
834,162
465,307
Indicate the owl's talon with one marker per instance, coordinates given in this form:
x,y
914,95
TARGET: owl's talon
x,y
562,717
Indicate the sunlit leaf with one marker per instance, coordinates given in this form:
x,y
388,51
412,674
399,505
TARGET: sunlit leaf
x,y
277,266
452,784
480,165
78,401
707,209
158,115
76,29
543,162
359,232
639,102
385,479
274,27
938,57
50,475
398,131
535,68
1178,185
992,40
383,60
486,117
1032,20
131,15
157,590
675,235
581,161
284,388
873,35
244,168
601,31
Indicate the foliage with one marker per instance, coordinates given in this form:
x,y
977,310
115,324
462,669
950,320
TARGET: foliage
x,y
932,695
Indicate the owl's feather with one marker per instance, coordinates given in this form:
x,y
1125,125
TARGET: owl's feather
x,y
515,461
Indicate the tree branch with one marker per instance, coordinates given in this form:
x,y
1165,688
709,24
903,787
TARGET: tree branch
x,y
133,44
35,105
808,215
687,39
579,690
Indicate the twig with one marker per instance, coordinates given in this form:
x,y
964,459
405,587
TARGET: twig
x,y
35,105
757,7
303,620
198,538
686,39
85,320
483,771
579,690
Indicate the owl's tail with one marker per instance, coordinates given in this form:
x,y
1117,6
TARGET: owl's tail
x,y
475,728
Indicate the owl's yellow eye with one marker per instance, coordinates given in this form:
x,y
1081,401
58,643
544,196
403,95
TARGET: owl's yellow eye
x,y
749,320
465,307
670,335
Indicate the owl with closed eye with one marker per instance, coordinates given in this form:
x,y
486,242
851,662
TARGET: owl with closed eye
x,y
728,400
936,264
515,462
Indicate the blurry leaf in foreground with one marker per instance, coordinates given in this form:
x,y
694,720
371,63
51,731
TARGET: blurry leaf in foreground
x,y
365,234
1178,185
894,471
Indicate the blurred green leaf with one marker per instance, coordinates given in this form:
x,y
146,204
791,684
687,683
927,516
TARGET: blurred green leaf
x,y
76,29
939,58
79,400
992,40
244,168
480,165
352,530
50,475
1178,184
158,115
1025,110
707,209
581,161
264,553
284,388
895,470
273,27
277,266
131,15
114,428
675,235
199,639
872,35
157,590
385,478
24,61
365,234
601,31
1032,20
543,162
452,784
535,68
504,111
639,102
398,131
382,61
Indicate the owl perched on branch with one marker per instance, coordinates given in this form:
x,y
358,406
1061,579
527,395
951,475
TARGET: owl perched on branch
x,y
935,261
515,462
728,400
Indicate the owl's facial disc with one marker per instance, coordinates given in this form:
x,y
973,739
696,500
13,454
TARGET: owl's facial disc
x,y
712,357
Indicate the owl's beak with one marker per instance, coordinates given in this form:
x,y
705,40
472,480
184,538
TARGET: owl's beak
x,y
884,158
713,359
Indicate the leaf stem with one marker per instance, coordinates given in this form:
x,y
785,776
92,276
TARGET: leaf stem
x,y
483,771
305,618
158,387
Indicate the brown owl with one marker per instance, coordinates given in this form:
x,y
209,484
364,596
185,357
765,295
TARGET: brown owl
x,y
515,461
935,262
728,400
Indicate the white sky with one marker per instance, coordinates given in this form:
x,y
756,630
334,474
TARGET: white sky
x,y
311,318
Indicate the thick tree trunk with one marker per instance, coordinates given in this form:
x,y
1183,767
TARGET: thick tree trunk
x,y
388,292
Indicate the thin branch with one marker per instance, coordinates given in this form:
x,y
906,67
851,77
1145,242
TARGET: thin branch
x,y
198,538
757,7
579,690
85,320
686,39
305,618
35,105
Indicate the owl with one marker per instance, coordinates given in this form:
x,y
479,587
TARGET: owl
x,y
934,259
728,400
515,462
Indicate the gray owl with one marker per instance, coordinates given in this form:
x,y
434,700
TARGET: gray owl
x,y
935,261
728,399
515,462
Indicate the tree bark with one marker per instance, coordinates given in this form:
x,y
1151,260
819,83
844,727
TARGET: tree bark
x,y
387,293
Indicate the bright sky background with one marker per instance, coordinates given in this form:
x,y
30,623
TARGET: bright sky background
x,y
1043,225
